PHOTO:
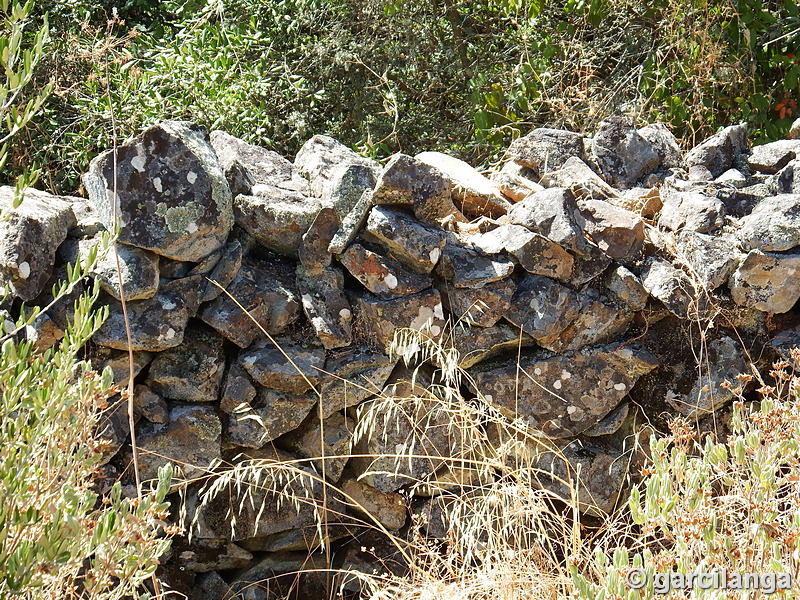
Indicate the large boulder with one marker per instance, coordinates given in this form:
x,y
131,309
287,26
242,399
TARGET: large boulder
x,y
167,188
718,151
545,150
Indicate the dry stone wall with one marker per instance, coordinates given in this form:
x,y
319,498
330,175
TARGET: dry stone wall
x,y
582,283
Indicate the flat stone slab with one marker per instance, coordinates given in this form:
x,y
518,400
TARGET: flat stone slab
x,y
482,306
772,157
466,268
171,194
420,312
321,291
767,281
576,176
621,153
711,258
415,245
290,368
669,284
380,274
545,150
351,376
774,224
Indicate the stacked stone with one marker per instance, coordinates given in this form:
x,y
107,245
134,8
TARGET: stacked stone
x,y
264,295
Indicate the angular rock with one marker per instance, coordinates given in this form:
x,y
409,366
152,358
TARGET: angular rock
x,y
246,166
30,234
546,150
210,586
150,405
191,442
576,176
209,555
718,151
794,131
645,202
621,154
474,195
224,272
336,434
276,218
237,390
597,476
482,306
306,538
351,224
664,143
627,287
139,270
543,308
119,363
413,244
352,376
599,320
409,181
43,333
512,182
772,157
320,158
268,301
787,180
692,211
273,414
475,344
347,184
86,218
616,231
732,177
313,250
113,426
535,253
590,262
192,371
723,359
156,324
767,281
670,285
381,275
711,258
322,293
611,423
465,268
171,194
774,224
290,368
552,213
785,342
420,312
287,575
741,202
563,396
387,509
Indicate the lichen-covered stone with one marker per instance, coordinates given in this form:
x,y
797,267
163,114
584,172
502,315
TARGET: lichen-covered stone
x,y
465,268
475,344
621,153
30,234
224,272
599,320
576,176
774,224
203,556
171,194
290,368
545,150
139,269
351,376
543,308
627,287
616,231
672,286
351,224
767,281
314,248
150,405
483,306
421,312
407,240
271,415
119,363
322,156
716,153
692,211
562,396
335,433
321,291
237,390
380,274
772,157
552,213
712,259
192,371
664,143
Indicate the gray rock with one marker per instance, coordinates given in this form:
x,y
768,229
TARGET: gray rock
x,y
192,371
314,246
210,586
774,224
772,157
413,244
389,510
119,363
157,323
87,221
351,376
203,556
289,367
672,286
320,158
347,184
693,211
664,143
599,320
306,539
562,396
723,359
270,303
741,202
732,177
597,476
113,426
408,181
475,195
767,281
321,290
476,344
546,150
465,268
271,415
30,235
171,194
238,389
276,218
543,308
381,275
336,434
150,405
351,224
139,270
288,574
787,180
616,231
191,442
420,312
627,287
482,306
645,202
576,176
711,258
621,154
611,423
590,262
794,131
552,213
786,343
716,153
224,272
246,166
535,253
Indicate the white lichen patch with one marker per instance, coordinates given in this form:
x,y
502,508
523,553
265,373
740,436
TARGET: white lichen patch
x,y
435,254
171,333
192,228
167,304
572,410
424,316
565,374
620,386
157,184
345,313
537,371
138,161
438,311
24,270
390,281
435,330
191,177
557,384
